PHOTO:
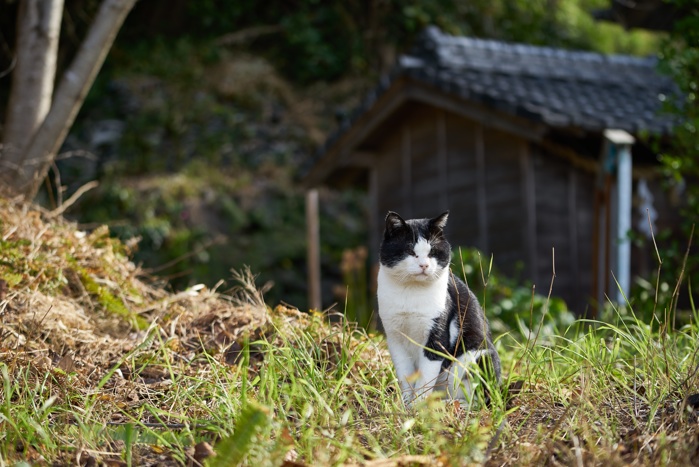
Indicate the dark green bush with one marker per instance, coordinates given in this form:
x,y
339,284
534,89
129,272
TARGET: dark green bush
x,y
509,304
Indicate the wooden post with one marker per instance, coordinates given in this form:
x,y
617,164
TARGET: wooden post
x,y
481,190
406,168
600,240
573,231
313,245
529,205
623,224
443,161
606,272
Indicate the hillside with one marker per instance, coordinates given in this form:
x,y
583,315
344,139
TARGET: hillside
x,y
102,366
82,329
214,185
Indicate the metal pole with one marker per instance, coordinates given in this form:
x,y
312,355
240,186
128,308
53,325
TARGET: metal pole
x,y
625,193
622,142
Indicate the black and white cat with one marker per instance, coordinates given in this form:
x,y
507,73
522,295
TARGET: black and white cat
x,y
427,312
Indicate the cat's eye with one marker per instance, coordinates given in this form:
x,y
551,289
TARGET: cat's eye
x,y
411,252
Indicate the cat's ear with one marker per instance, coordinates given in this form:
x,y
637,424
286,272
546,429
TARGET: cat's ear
x,y
393,223
440,221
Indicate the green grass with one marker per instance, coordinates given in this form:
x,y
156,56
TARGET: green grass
x,y
110,303
326,395
302,390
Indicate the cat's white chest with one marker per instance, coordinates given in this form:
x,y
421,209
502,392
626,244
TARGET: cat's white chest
x,y
408,310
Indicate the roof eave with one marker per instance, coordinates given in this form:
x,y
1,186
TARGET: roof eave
x,y
340,150
402,90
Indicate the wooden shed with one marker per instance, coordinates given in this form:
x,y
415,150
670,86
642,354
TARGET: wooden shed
x,y
532,149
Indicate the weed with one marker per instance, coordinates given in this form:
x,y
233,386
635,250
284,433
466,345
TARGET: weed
x,y
110,303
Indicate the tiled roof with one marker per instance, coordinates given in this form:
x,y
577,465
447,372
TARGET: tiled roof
x,y
561,88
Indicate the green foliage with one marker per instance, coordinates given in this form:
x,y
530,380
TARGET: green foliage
x,y
510,305
233,449
22,263
679,58
313,40
196,226
26,407
560,23
358,302
110,302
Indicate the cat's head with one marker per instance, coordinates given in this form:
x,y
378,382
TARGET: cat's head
x,y
415,250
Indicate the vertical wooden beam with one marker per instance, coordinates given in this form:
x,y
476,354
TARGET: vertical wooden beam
x,y
606,264
442,160
573,233
313,245
406,167
600,240
375,226
529,205
481,192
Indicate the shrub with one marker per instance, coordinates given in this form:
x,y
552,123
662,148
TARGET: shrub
x,y
511,306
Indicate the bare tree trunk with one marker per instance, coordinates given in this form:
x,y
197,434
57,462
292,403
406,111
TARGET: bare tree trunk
x,y
38,28
69,97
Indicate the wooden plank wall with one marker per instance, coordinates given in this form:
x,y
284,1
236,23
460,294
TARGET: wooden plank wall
x,y
463,182
564,228
584,218
434,160
506,197
505,206
389,177
425,182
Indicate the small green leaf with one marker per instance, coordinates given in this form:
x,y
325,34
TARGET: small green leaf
x,y
232,449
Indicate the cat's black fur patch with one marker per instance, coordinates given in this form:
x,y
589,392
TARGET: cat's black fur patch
x,y
474,334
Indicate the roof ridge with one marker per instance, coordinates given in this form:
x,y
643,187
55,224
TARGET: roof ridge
x,y
433,38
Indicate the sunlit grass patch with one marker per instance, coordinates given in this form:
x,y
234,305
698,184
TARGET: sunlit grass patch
x,y
220,378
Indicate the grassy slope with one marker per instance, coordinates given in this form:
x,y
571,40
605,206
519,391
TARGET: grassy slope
x,y
97,365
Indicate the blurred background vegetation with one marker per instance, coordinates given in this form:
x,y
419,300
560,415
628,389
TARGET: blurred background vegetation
x,y
205,112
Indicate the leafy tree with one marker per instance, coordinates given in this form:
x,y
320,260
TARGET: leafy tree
x,y
679,56
323,40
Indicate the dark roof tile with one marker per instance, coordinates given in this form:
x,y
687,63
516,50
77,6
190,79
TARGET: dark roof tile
x,y
558,79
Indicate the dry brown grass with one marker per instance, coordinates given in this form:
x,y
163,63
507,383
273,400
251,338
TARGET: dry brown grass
x,y
74,309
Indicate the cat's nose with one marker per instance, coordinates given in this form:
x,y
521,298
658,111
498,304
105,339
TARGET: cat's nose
x,y
425,266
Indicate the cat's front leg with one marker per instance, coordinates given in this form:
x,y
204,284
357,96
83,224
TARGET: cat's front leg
x,y
405,368
429,377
